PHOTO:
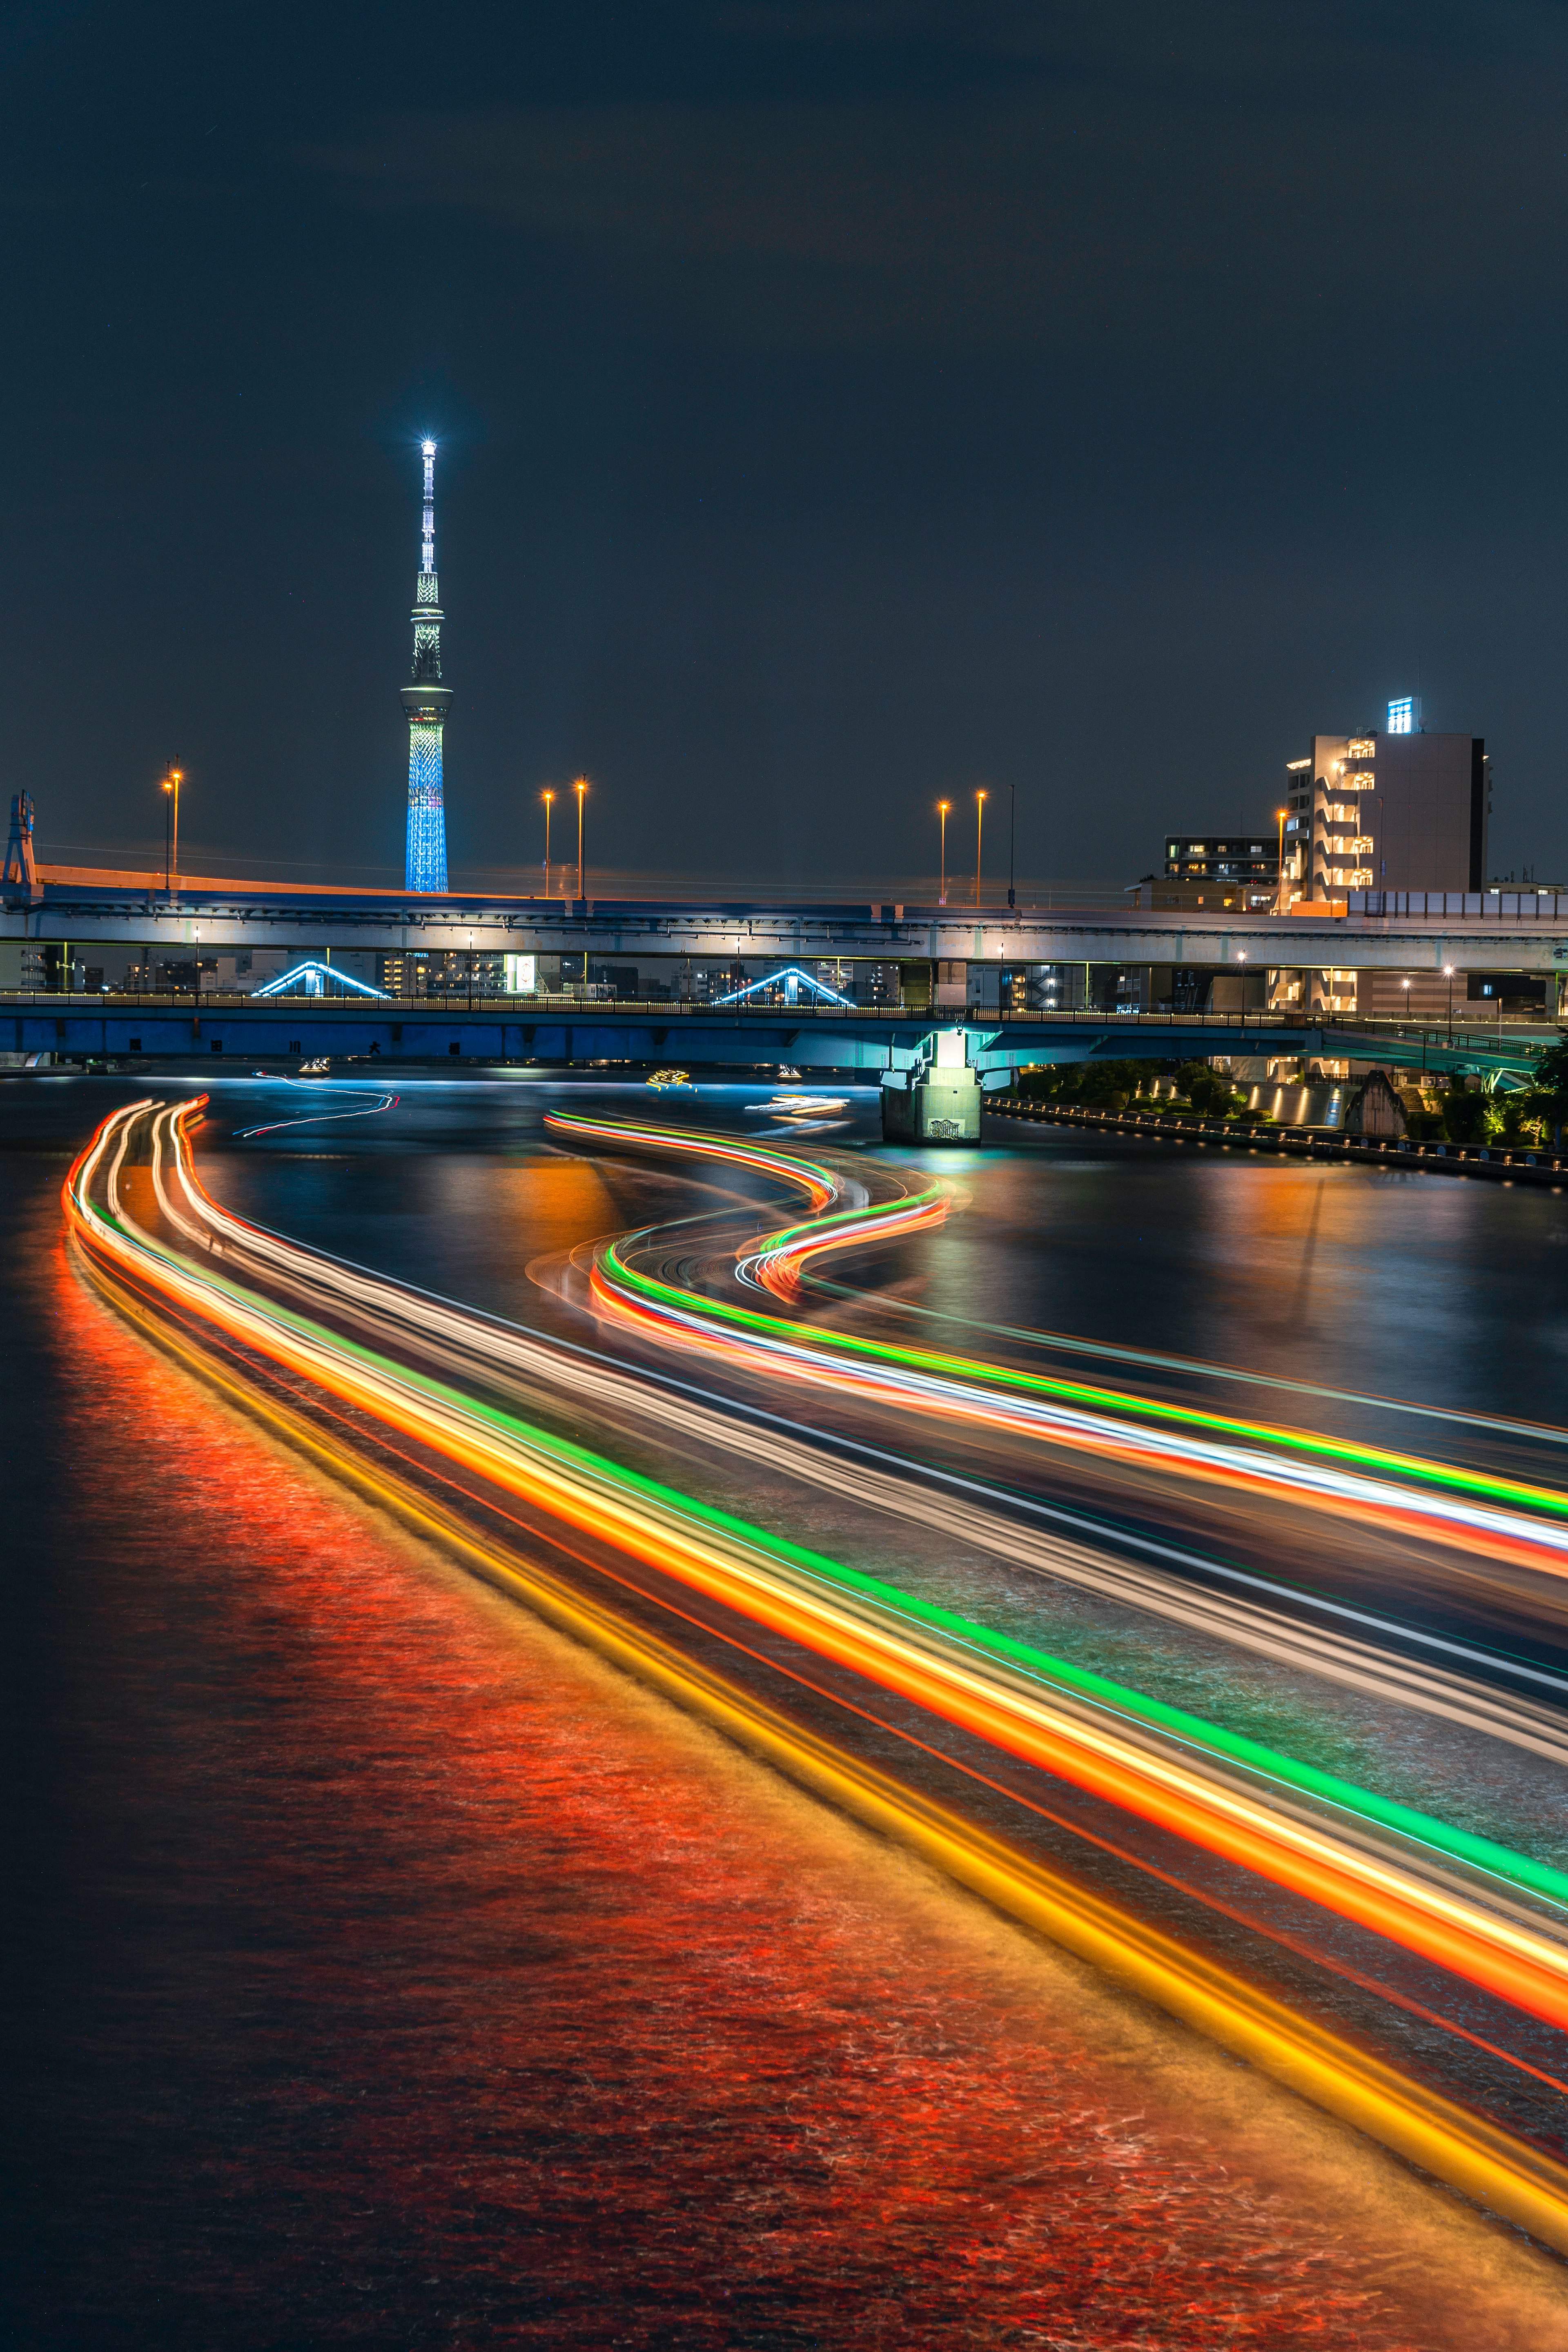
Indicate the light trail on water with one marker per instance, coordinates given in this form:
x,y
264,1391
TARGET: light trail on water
x,y
1330,1474
1230,1796
317,1118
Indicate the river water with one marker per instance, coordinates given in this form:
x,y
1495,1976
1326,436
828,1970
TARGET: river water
x,y
385,1970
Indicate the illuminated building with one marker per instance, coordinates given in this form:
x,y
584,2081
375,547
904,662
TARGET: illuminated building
x,y
445,972
425,700
1221,857
1389,809
1216,869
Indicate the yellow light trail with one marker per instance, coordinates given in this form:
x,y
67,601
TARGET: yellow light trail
x,y
1500,2172
808,1601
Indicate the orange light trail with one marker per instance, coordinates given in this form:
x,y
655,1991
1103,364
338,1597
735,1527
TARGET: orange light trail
x,y
797,1595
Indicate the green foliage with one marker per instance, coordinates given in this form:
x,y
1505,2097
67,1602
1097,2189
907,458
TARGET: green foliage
x,y
1210,1092
1424,1126
1550,1082
1470,1117
1523,1111
1099,1086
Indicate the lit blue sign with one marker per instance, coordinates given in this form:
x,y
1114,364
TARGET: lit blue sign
x,y
1402,716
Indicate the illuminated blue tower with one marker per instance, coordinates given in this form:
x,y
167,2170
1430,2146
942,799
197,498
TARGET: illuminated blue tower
x,y
426,702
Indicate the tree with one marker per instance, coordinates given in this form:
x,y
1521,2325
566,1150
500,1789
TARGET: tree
x,y
1209,1091
1550,1081
1468,1117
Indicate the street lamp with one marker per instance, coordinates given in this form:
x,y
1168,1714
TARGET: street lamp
x,y
1241,957
979,832
1449,969
548,798
1012,839
1279,906
581,789
172,783
941,810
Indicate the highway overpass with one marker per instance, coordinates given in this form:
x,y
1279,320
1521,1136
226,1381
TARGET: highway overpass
x,y
1523,931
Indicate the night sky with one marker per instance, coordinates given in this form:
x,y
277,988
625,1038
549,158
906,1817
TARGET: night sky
x,y
839,405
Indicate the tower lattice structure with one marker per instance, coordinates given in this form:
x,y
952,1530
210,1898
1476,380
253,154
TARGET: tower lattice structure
x,y
425,700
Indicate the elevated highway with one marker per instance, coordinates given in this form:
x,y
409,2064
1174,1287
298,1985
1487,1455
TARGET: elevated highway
x,y
1517,932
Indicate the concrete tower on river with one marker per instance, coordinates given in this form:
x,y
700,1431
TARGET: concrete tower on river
x,y
425,700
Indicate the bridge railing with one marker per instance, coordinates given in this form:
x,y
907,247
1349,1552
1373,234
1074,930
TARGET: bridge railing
x,y
1461,1034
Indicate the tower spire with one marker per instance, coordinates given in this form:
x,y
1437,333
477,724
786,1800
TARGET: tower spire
x,y
425,700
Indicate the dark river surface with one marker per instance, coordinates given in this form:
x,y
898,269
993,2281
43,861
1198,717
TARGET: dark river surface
x,y
384,1971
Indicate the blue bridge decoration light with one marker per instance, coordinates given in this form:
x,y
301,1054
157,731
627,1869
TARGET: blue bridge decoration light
x,y
791,981
312,978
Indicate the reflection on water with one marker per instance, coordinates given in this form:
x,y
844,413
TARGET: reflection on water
x,y
393,1973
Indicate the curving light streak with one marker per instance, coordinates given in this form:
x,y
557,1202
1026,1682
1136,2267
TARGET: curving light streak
x,y
820,1185
469,1342
775,1262
1504,2175
1469,1515
317,1118
961,1674
1481,1853
624,1280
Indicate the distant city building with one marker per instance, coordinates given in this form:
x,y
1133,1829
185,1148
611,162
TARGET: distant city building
x,y
1238,871
1221,857
426,702
1391,809
442,972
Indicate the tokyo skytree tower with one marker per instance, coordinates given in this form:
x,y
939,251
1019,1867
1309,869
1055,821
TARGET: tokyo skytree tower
x,y
426,702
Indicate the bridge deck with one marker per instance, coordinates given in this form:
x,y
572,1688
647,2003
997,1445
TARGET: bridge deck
x,y
565,1029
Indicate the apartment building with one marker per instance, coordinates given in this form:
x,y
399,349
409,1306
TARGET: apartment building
x,y
1393,808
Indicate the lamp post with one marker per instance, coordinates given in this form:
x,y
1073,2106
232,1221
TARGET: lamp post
x,y
1279,906
1241,959
581,789
941,810
1012,839
979,833
1449,969
548,797
172,783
